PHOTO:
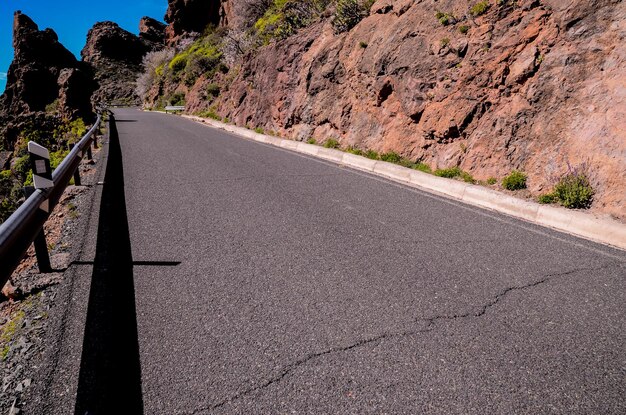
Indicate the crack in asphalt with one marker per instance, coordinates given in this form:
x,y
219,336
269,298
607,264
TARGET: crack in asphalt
x,y
430,326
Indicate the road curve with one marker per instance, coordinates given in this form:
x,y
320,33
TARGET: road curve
x,y
236,277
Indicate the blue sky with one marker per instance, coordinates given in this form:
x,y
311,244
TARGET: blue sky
x,y
71,19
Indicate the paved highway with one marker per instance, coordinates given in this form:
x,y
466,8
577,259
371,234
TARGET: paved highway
x,y
231,277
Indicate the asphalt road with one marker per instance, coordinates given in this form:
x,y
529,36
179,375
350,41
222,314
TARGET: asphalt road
x,y
237,277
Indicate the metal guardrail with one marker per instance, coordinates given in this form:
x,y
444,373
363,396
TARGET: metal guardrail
x,y
174,108
25,225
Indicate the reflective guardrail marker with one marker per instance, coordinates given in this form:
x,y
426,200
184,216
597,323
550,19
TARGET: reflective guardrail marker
x,y
42,172
40,163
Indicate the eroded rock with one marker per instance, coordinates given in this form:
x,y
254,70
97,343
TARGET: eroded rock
x,y
534,87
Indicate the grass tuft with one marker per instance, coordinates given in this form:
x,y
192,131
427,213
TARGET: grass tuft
x,y
331,143
449,173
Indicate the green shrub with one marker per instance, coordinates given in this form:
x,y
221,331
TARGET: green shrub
x,y
467,178
177,98
479,8
259,130
56,157
445,18
29,179
210,113
547,198
448,173
464,29
491,181
202,57
574,191
7,207
354,150
390,157
213,90
445,42
363,45
331,143
179,62
423,167
5,181
311,141
284,17
349,13
371,154
53,107
21,167
71,131
515,181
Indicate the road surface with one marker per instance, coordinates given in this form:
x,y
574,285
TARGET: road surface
x,y
230,276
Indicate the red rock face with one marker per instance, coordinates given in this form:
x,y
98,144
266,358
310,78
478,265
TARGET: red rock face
x,y
534,87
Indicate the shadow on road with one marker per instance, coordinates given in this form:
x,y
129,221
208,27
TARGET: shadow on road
x,y
110,372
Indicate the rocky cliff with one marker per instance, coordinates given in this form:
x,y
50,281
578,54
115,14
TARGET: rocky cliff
x,y
44,73
531,85
45,84
116,56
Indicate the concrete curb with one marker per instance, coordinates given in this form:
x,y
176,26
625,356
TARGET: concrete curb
x,y
582,224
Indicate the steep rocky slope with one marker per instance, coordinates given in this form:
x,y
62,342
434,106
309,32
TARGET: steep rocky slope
x,y
531,85
116,56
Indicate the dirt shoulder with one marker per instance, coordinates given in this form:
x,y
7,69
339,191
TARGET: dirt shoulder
x,y
29,296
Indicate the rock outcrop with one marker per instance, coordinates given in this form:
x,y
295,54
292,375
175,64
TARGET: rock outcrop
x,y
152,32
45,83
116,56
44,73
529,85
193,16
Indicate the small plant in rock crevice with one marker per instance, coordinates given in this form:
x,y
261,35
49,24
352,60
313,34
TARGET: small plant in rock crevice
x,y
354,150
390,157
349,13
445,19
331,143
448,173
547,198
479,8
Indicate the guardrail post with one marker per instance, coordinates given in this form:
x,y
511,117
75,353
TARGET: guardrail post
x,y
76,172
89,155
40,243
